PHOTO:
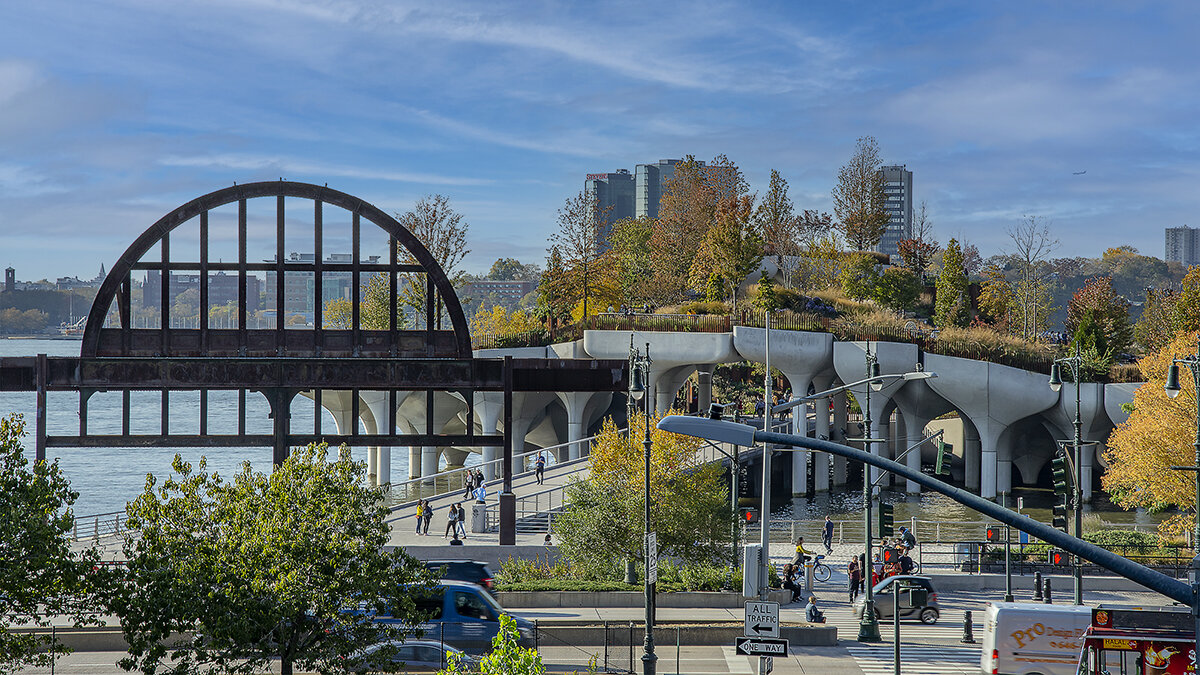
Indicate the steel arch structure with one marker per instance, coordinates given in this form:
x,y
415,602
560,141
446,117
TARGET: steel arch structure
x,y
280,361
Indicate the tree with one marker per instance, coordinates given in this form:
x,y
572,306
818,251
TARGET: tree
x,y
859,201
767,299
916,254
859,275
689,501
511,269
261,568
1032,245
499,322
732,248
1158,435
897,289
507,656
995,297
952,308
554,289
580,241
41,576
1109,312
372,308
630,248
1159,321
819,263
1187,307
687,210
441,229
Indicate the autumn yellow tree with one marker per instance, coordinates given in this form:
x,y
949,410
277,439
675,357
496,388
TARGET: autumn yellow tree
x,y
1159,434
689,502
496,321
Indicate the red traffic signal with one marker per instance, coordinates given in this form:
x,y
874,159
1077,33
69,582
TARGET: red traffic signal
x,y
993,534
1059,558
891,555
750,516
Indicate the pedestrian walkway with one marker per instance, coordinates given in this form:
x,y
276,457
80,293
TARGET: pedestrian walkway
x,y
922,659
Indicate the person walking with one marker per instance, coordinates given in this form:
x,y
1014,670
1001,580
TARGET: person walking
x,y
451,521
854,570
540,468
827,536
468,484
481,494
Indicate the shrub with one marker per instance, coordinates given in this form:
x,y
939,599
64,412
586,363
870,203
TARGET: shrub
x,y
713,307
859,276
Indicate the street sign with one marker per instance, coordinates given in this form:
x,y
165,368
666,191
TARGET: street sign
x,y
768,664
652,556
762,619
752,646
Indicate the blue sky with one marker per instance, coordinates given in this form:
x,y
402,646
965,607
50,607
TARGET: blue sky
x,y
112,113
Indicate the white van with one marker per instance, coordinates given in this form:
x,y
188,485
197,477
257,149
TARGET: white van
x,y
1030,638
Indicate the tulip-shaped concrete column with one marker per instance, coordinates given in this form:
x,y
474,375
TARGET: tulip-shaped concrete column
x,y
850,361
489,407
583,409
800,356
820,409
837,434
994,397
674,355
1094,424
1115,396
918,404
372,412
415,413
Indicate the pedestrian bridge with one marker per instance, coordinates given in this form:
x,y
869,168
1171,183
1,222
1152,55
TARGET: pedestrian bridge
x,y
1009,418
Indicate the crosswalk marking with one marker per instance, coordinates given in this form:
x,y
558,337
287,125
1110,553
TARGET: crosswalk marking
x,y
926,660
736,663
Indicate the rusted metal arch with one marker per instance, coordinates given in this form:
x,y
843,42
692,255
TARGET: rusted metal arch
x,y
116,285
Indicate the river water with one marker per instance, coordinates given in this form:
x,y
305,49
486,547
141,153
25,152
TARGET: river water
x,y
106,478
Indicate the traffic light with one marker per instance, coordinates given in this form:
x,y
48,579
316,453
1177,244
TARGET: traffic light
x,y
942,467
891,555
887,520
1058,558
1060,512
1060,474
993,534
750,516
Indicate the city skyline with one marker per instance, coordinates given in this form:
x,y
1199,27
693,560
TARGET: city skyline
x,y
113,115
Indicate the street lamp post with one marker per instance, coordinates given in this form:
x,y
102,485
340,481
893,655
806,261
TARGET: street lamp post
x,y
868,628
1075,364
639,369
764,514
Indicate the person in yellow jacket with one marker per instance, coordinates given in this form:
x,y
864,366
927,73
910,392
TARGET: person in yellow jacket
x,y
802,554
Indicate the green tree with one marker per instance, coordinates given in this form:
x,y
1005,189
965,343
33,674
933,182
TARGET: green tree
x,y
554,289
585,260
511,269
1108,311
768,299
732,248
507,656
40,576
995,297
630,242
261,568
689,501
1159,321
897,289
1187,306
859,201
859,275
953,304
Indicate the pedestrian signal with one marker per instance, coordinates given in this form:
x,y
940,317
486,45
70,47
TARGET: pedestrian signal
x,y
1058,558
891,555
887,520
993,534
750,516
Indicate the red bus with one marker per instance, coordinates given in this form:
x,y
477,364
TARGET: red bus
x,y
1139,641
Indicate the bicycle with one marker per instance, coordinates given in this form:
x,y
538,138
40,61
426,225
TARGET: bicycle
x,y
821,571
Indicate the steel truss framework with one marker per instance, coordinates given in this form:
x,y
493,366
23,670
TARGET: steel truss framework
x,y
281,361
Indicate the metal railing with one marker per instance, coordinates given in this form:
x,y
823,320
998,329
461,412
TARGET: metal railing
x,y
98,526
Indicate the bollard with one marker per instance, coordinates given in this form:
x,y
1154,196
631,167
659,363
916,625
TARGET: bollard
x,y
1046,598
968,637
1037,586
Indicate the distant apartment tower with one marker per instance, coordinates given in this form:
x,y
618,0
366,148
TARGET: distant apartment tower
x,y
612,193
10,279
648,182
1183,245
897,182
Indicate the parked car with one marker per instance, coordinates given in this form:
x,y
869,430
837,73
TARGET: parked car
x,y
883,600
464,570
463,615
415,656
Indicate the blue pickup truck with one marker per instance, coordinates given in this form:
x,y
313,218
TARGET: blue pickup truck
x,y
465,616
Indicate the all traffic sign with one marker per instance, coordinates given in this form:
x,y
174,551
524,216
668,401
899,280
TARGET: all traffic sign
x,y
752,646
762,619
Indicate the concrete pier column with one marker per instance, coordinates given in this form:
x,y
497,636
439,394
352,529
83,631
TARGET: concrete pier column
x,y
414,462
972,456
1004,467
372,466
384,458
878,430
915,432
838,435
799,457
704,375
821,459
488,407
429,461
1087,456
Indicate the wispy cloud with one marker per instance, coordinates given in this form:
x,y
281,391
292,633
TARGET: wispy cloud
x,y
293,167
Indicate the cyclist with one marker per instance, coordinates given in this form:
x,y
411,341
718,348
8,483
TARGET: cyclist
x,y
802,555
907,539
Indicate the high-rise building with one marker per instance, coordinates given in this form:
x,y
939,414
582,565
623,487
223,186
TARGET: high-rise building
x,y
10,279
648,185
612,193
898,187
1183,245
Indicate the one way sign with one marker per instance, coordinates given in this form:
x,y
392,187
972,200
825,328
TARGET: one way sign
x,y
762,619
748,646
